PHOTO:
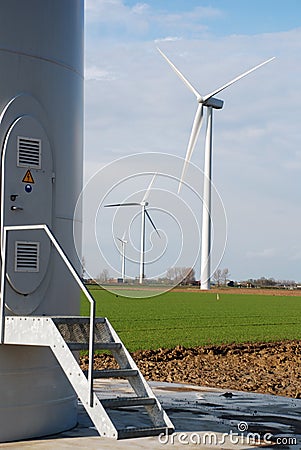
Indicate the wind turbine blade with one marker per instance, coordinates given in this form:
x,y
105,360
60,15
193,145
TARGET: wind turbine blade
x,y
122,240
146,195
150,219
236,79
122,204
123,236
195,131
188,84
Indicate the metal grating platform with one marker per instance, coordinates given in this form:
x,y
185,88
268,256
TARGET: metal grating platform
x,y
77,329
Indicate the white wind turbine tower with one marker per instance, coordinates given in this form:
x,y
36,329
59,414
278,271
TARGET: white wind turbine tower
x,y
123,244
144,213
211,103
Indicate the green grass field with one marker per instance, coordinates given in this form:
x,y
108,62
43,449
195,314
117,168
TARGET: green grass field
x,y
197,318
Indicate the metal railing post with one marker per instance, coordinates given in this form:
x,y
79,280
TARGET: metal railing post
x,y
2,288
91,353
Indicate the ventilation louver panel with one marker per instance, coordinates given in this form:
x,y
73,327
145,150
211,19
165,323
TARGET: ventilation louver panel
x,y
27,256
29,152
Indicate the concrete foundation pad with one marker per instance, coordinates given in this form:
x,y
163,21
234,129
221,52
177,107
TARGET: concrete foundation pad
x,y
203,418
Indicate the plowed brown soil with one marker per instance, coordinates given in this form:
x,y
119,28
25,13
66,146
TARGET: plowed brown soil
x,y
272,368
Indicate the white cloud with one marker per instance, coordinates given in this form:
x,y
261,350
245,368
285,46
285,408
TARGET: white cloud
x,y
112,17
265,253
141,8
98,74
169,39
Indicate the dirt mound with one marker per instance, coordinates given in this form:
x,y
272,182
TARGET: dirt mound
x,y
272,368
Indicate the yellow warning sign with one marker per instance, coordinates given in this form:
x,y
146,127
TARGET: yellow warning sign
x,y
28,177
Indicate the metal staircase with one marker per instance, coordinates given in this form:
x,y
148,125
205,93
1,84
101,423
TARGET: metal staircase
x,y
64,335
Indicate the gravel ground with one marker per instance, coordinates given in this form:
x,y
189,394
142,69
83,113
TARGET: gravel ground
x,y
271,368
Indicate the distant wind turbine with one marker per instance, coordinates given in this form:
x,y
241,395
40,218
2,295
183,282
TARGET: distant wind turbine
x,y
123,244
211,103
144,213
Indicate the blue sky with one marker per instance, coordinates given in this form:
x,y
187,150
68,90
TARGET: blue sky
x,y
237,16
134,103
222,17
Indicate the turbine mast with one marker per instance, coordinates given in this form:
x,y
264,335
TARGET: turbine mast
x,y
142,245
206,218
123,261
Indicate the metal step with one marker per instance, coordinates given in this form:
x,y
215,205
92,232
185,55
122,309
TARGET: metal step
x,y
97,346
76,330
112,403
76,319
128,433
114,373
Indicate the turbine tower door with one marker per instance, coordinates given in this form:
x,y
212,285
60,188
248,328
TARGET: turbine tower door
x,y
27,185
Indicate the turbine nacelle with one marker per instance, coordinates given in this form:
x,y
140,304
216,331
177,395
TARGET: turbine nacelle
x,y
215,103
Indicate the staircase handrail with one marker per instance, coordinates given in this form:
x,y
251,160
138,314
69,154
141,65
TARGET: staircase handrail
x,y
73,272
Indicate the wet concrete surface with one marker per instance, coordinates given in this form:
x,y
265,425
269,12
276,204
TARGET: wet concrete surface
x,y
203,418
